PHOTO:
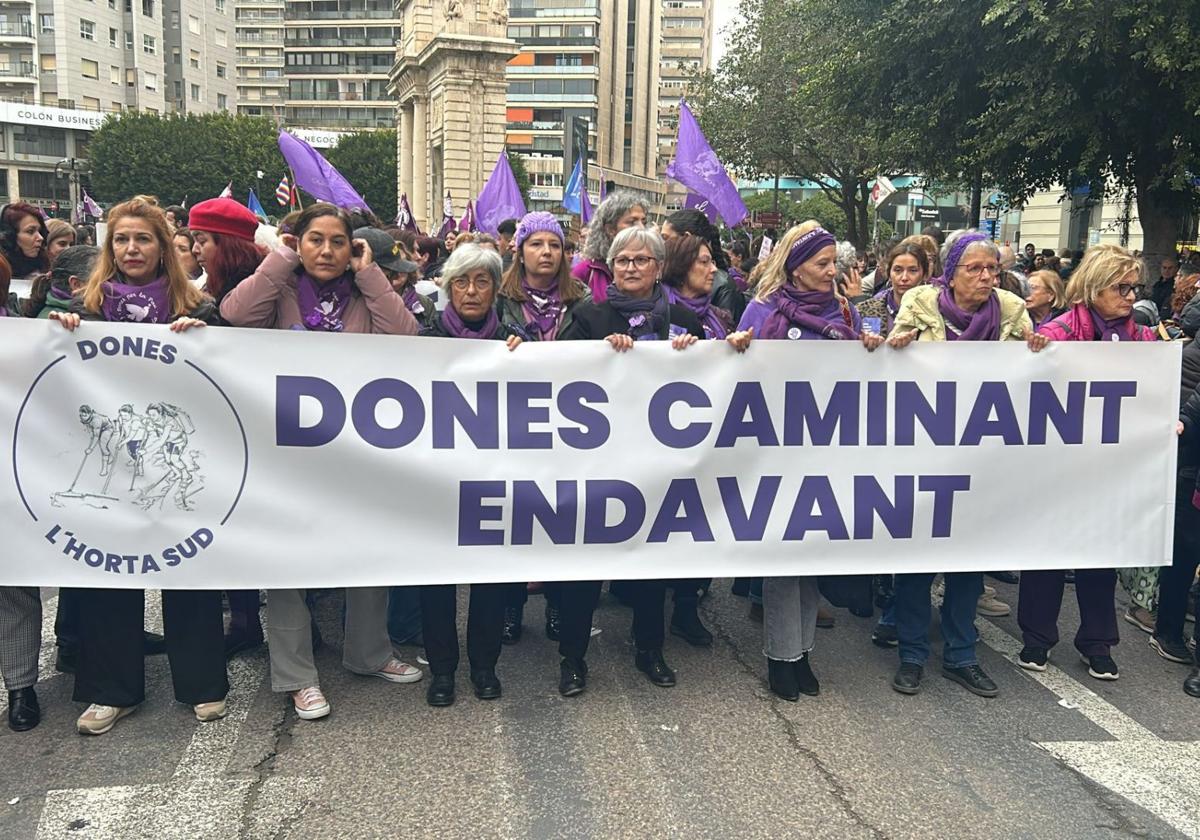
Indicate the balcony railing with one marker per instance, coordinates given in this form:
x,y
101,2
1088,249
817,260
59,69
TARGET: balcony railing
x,y
22,70
343,122
294,14
257,60
16,29
264,38
261,80
349,41
554,70
535,126
327,69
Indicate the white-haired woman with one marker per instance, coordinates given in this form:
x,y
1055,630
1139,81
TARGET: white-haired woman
x,y
635,309
618,211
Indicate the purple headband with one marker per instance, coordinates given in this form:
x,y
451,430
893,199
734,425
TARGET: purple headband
x,y
537,222
959,248
806,246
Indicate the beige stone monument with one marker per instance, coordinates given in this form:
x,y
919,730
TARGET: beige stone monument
x,y
449,83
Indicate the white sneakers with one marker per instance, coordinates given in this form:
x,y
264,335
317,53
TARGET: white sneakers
x,y
310,703
99,718
206,712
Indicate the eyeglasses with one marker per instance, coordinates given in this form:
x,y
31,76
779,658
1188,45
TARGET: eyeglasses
x,y
1125,289
463,283
976,269
622,263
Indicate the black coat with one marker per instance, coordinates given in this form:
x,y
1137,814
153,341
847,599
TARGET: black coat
x,y
600,320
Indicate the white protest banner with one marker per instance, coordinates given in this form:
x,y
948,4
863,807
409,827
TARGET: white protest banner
x,y
229,458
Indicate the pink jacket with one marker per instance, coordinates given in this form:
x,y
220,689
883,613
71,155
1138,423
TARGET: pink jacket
x,y
267,299
1076,325
594,276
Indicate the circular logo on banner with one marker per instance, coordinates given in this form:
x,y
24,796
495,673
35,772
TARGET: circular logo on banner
x,y
128,456
793,333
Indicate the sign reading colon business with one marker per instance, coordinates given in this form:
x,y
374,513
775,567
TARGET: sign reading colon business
x,y
225,458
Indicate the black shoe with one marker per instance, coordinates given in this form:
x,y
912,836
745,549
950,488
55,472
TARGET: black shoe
x,y
236,643
1101,667
1004,577
1171,649
552,624
1192,684
441,690
781,677
24,713
572,677
805,677
973,679
908,678
64,663
884,636
487,684
685,623
513,616
1033,658
652,664
153,644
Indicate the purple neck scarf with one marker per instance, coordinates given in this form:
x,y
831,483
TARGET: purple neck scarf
x,y
322,306
543,308
1115,329
888,296
646,316
981,325
818,312
146,304
453,323
411,302
738,279
708,315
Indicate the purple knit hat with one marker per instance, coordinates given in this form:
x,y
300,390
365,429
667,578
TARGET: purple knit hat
x,y
537,222
959,248
806,246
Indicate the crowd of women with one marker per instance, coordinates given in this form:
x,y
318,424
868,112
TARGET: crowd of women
x,y
326,270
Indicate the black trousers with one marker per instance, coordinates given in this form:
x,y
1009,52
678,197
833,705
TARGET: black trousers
x,y
690,589
66,619
243,612
485,623
578,603
1175,580
112,669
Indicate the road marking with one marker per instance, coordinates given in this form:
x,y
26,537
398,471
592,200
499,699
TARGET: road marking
x,y
1160,776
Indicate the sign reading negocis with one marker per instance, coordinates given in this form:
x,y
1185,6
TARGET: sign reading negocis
x,y
225,458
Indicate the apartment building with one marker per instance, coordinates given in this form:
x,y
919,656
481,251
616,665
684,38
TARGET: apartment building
x,y
259,39
686,48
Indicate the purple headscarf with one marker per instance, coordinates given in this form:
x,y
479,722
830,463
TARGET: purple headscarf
x,y
817,312
955,254
804,248
147,304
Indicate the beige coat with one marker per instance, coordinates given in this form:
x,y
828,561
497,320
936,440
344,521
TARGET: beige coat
x,y
919,311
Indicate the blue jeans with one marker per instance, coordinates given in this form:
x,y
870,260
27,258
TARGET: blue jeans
x,y
404,614
913,614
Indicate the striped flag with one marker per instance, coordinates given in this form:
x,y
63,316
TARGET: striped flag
x,y
227,192
283,193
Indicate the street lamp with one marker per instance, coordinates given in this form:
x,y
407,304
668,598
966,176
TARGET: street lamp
x,y
75,167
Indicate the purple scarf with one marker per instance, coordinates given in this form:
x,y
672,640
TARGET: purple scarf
x,y
646,316
322,306
888,297
738,279
454,325
147,304
708,315
1116,329
543,308
411,301
818,312
981,325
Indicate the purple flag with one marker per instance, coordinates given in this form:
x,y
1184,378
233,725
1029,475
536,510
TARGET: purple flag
x,y
90,205
696,167
448,223
585,205
405,218
467,223
316,176
499,199
699,202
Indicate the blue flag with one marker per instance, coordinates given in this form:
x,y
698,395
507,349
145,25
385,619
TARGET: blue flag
x,y
572,200
255,207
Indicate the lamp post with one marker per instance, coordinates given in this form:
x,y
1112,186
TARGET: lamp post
x,y
74,167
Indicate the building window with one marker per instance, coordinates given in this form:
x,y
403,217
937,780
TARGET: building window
x,y
49,63
193,24
176,57
47,23
89,68
222,101
130,78
148,8
195,93
36,184
220,7
114,74
194,59
151,81
129,41
149,47
174,20
87,30
222,38
221,70
112,4
112,37
90,103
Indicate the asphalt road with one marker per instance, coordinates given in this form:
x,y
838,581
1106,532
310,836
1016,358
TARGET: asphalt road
x,y
1056,756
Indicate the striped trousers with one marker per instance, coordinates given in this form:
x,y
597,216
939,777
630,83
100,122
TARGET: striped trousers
x,y
20,635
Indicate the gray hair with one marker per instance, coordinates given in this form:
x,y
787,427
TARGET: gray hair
x,y
989,245
847,257
467,258
608,214
637,237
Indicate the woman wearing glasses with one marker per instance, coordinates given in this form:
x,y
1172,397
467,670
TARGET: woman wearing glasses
x,y
636,309
960,305
1100,294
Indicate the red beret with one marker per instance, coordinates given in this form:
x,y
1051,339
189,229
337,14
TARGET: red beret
x,y
223,215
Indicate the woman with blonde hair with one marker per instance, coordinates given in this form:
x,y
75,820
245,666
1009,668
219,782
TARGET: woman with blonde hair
x,y
1047,298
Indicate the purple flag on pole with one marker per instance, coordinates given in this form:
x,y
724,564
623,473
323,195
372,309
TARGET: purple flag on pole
x,y
499,199
316,176
467,223
405,218
699,202
448,223
696,167
90,205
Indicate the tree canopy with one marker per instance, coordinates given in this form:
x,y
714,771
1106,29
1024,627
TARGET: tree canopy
x,y
367,159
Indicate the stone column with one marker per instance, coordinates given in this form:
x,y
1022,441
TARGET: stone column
x,y
420,162
405,153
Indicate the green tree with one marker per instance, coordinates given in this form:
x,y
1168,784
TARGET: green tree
x,y
176,157
520,174
367,159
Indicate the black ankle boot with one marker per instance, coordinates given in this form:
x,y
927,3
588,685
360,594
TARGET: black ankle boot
x,y
24,713
572,677
441,690
652,664
685,623
781,676
513,616
552,625
806,680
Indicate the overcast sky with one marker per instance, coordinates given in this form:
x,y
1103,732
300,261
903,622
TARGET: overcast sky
x,y
723,13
